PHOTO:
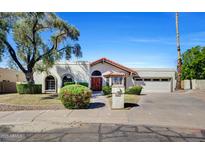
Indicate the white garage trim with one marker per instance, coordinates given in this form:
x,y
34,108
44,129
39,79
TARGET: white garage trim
x,y
154,85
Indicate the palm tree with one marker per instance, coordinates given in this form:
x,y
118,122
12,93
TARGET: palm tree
x,y
179,62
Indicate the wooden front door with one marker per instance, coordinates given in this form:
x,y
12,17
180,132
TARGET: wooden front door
x,y
96,83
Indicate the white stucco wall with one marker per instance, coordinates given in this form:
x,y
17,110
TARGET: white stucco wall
x,y
79,71
186,84
104,67
156,86
196,84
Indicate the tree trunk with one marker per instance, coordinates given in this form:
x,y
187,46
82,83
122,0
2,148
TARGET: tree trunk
x,y
179,62
29,77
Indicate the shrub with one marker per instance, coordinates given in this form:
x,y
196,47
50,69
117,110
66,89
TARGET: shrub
x,y
75,96
83,84
29,88
134,90
106,90
68,83
80,83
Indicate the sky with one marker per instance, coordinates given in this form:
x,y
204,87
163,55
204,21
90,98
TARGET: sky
x,y
141,40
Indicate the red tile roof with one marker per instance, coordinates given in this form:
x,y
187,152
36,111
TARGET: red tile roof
x,y
101,60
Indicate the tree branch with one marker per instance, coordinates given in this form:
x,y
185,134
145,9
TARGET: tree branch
x,y
54,47
13,55
32,61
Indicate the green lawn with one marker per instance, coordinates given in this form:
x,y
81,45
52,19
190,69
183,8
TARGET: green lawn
x,y
27,99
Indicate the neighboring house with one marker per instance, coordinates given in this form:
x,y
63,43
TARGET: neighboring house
x,y
8,79
106,72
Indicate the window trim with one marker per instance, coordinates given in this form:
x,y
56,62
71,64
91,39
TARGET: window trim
x,y
97,75
49,82
119,80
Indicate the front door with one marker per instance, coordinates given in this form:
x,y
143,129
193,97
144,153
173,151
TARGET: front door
x,y
96,83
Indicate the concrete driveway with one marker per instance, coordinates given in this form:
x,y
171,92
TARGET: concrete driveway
x,y
184,109
168,109
164,112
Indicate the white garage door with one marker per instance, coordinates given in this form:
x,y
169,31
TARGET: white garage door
x,y
156,85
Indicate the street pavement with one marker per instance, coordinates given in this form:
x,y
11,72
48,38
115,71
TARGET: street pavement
x,y
162,117
79,132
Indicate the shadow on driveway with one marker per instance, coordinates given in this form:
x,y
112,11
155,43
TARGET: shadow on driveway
x,y
96,105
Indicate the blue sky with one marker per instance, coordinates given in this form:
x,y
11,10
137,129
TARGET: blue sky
x,y
136,39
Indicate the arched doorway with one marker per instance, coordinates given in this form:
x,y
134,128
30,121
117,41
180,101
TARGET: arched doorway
x,y
50,83
96,80
67,78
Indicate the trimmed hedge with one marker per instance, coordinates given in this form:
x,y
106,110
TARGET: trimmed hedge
x,y
136,90
29,88
75,96
107,90
68,83
80,83
83,84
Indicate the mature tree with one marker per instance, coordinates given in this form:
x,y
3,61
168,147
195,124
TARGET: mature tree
x,y
179,61
193,63
36,40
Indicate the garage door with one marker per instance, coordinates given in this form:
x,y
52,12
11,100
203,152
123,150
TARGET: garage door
x,y
156,85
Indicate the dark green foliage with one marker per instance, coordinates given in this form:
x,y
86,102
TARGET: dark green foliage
x,y
107,90
75,96
29,88
83,84
193,63
68,83
30,50
136,90
80,83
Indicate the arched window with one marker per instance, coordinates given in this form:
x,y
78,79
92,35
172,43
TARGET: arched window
x,y
67,78
50,83
96,73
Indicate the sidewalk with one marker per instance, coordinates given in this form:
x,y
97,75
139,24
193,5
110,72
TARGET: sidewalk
x,y
172,110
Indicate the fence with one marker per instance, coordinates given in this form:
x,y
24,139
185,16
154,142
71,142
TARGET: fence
x,y
194,84
7,87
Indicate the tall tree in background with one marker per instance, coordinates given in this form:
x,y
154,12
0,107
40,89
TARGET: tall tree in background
x,y
35,40
193,63
179,61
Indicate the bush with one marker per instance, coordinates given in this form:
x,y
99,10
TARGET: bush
x,y
75,96
29,88
136,90
83,84
68,83
80,83
106,90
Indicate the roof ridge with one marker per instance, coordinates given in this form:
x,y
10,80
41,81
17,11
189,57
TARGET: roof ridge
x,y
113,63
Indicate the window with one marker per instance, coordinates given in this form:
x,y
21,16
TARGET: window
x,y
146,79
117,80
67,78
156,79
50,83
96,73
137,79
164,80
107,81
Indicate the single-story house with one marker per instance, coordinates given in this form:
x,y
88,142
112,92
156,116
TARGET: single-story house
x,y
106,72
